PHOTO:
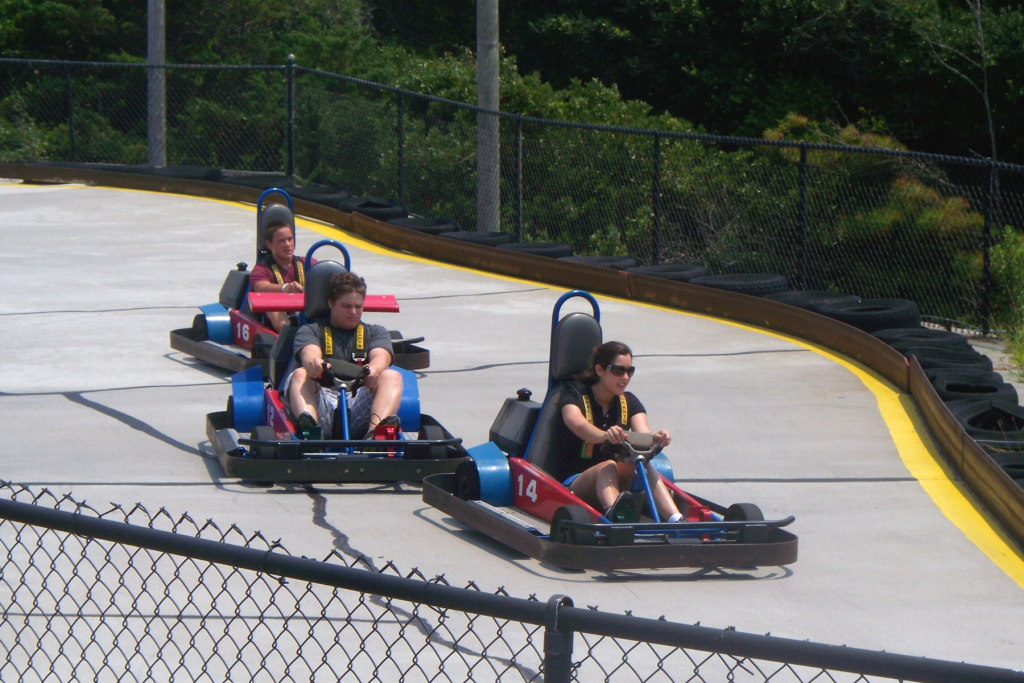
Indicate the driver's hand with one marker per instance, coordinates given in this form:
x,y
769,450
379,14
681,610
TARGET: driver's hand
x,y
292,288
371,377
315,367
615,434
662,437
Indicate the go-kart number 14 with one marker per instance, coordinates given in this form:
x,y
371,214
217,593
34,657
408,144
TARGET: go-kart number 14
x,y
531,488
242,331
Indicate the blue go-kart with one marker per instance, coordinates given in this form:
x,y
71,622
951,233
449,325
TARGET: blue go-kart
x,y
504,489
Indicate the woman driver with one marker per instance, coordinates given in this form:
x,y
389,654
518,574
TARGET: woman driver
x,y
597,410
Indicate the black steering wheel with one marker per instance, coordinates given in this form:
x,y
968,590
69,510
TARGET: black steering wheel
x,y
638,446
342,373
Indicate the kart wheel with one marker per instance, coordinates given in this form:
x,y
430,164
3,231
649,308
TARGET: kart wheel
x,y
743,512
199,329
467,481
436,433
263,433
565,534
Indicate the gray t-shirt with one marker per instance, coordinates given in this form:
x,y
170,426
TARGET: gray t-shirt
x,y
375,337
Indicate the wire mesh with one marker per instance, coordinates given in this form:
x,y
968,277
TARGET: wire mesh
x,y
77,608
944,232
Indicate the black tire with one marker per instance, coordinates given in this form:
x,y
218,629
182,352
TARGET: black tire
x,y
996,421
959,386
872,315
677,272
200,330
428,226
264,433
563,534
549,249
933,357
209,174
812,300
328,196
908,345
230,410
753,284
485,238
467,481
436,433
260,181
922,336
614,262
374,207
744,512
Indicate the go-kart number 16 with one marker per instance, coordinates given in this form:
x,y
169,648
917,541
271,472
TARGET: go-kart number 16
x,y
242,331
531,488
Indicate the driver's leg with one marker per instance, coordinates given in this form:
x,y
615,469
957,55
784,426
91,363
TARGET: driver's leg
x,y
387,396
277,319
599,485
302,394
662,497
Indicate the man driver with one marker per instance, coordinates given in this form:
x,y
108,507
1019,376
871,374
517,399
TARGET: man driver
x,y
281,271
344,336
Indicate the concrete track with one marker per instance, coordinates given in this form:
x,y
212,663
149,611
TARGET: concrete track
x,y
95,402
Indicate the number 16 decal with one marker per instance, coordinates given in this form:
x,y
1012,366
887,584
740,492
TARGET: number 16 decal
x,y
531,488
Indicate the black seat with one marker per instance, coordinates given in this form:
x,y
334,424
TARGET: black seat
x,y
572,342
318,279
269,214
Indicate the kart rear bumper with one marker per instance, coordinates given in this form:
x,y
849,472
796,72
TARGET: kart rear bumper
x,y
779,548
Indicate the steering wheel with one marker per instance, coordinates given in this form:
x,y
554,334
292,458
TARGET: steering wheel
x,y
342,373
638,446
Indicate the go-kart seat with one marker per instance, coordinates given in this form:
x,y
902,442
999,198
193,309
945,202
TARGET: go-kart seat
x,y
274,212
572,342
318,279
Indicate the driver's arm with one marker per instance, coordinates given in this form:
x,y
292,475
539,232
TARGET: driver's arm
x,y
379,361
312,360
578,425
638,423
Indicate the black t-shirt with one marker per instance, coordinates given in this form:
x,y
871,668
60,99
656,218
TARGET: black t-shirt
x,y
575,459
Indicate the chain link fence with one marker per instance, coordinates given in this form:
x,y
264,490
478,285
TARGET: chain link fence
x,y
126,594
943,231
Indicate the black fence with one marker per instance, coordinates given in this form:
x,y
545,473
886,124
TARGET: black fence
x,y
876,222
126,594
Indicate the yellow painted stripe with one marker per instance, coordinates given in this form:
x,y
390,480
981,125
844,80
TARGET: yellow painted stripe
x,y
916,449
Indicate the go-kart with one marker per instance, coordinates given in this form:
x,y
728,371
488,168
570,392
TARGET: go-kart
x,y
504,489
230,333
255,440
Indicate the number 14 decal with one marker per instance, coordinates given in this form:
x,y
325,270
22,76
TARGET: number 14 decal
x,y
531,488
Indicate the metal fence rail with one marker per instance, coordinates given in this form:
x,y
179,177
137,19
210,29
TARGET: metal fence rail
x,y
943,231
126,594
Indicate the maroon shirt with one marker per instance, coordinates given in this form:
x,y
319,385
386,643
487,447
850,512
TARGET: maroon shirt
x,y
261,273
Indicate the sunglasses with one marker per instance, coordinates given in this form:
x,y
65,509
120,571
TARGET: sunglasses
x,y
620,370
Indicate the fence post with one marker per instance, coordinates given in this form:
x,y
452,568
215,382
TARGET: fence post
x,y
519,179
803,217
291,116
557,643
401,148
71,112
986,246
656,198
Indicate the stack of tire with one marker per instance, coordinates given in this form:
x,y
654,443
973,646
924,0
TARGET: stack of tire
x,y
449,229
981,401
334,197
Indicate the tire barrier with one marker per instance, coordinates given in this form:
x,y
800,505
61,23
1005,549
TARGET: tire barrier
x,y
677,272
954,385
616,262
428,226
328,196
374,207
872,315
259,181
922,336
989,420
550,249
811,300
752,284
959,359
486,238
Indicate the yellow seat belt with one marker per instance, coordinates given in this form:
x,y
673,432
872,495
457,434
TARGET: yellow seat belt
x,y
358,355
300,272
587,450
